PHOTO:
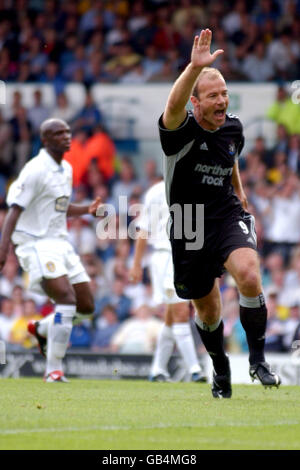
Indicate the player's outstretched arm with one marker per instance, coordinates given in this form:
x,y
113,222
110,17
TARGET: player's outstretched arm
x,y
136,272
10,222
201,57
75,210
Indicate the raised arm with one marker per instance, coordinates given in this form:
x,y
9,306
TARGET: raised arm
x,y
201,57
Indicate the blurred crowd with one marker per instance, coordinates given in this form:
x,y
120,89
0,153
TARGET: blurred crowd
x,y
139,41
122,41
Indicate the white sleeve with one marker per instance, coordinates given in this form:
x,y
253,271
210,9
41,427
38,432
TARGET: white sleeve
x,y
24,189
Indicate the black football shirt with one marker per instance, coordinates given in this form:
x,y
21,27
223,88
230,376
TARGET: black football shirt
x,y
198,165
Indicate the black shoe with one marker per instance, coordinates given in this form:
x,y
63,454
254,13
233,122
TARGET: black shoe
x,y
262,372
221,386
159,378
198,377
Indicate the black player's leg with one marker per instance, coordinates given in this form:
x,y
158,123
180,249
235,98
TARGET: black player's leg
x,y
243,265
210,327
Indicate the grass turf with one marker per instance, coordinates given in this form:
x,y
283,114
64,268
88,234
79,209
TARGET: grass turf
x,y
97,414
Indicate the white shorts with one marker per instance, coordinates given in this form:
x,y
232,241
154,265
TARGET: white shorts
x,y
50,259
162,278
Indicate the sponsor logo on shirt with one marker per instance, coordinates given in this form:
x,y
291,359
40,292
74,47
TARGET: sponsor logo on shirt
x,y
210,173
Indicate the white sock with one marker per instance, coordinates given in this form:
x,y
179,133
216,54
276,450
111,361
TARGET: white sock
x,y
44,323
164,348
59,332
184,341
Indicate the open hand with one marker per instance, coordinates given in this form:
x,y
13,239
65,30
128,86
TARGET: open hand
x,y
94,206
135,274
201,56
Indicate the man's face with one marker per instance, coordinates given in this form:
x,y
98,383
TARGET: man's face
x,y
58,138
210,108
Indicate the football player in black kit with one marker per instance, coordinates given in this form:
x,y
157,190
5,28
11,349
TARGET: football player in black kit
x,y
201,168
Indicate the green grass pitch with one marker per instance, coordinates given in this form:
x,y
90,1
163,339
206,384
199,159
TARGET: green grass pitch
x,y
121,414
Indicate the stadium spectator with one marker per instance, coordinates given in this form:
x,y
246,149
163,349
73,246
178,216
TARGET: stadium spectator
x,y
21,137
82,236
6,146
106,326
257,67
275,325
284,53
232,21
284,230
293,153
10,277
101,148
34,57
135,75
125,184
7,318
37,113
19,334
51,74
81,335
291,326
187,12
284,111
117,298
89,116
64,109
138,334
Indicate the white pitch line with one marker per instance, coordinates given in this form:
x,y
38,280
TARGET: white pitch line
x,y
7,432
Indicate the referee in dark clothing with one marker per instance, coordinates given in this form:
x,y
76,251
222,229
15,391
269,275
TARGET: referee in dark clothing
x,y
207,202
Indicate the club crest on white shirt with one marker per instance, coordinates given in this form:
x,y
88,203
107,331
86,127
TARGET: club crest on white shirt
x,y
50,266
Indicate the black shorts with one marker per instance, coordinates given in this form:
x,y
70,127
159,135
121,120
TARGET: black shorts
x,y
195,271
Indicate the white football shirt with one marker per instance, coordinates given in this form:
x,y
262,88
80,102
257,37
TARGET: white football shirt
x,y
43,189
155,216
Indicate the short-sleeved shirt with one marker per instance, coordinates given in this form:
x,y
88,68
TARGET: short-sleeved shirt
x,y
43,189
198,168
154,217
198,165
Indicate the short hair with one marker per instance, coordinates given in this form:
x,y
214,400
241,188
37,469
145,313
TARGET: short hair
x,y
212,72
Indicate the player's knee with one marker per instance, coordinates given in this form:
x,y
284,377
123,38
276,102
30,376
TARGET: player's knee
x,y
66,297
210,312
249,279
86,306
180,312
